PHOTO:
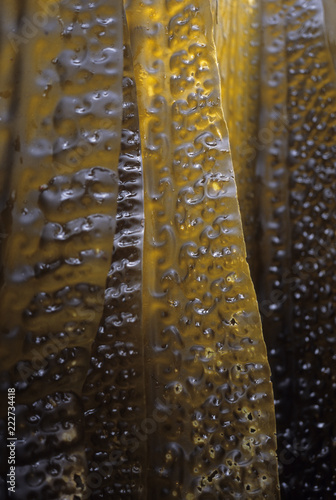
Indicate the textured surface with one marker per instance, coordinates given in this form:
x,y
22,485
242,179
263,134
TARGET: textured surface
x,y
177,399
292,251
297,287
59,218
312,122
114,392
206,360
10,15
237,38
274,255
50,454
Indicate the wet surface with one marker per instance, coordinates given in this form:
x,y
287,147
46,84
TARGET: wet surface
x,y
129,323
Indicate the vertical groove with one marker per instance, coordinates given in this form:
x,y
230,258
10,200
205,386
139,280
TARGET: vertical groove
x,y
114,390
